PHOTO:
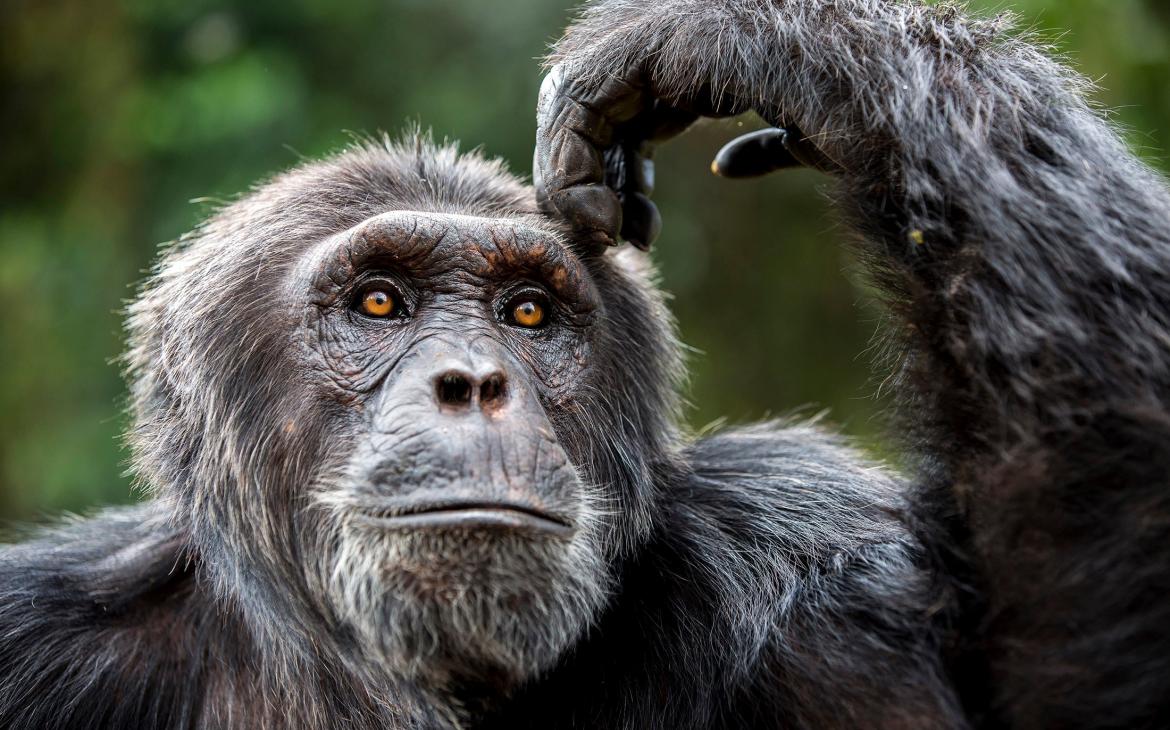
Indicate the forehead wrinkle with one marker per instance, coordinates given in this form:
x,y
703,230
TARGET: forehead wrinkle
x,y
506,247
503,247
499,247
424,235
487,248
407,238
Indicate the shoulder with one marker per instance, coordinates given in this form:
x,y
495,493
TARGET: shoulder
x,y
786,518
104,564
778,519
794,486
823,586
84,606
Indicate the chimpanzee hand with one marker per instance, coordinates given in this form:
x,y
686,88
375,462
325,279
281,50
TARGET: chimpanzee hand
x,y
597,128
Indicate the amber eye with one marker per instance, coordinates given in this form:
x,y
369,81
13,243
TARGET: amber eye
x,y
527,313
377,303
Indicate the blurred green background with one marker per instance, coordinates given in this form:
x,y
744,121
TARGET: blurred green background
x,y
118,116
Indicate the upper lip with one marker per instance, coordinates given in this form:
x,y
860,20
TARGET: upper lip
x,y
452,513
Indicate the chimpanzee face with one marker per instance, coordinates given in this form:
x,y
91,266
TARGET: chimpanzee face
x,y
407,420
458,532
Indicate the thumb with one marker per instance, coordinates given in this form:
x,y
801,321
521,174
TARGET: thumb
x,y
767,150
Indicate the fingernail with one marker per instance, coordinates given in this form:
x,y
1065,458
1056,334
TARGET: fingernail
x,y
602,238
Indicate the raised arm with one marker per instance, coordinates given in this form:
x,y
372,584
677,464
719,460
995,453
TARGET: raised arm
x,y
1027,254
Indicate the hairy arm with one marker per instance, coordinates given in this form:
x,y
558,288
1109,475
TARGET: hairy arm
x,y
1025,252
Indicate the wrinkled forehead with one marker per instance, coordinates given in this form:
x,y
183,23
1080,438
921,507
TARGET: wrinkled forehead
x,y
433,244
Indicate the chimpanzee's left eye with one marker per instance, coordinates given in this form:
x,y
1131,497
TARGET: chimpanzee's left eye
x,y
379,302
526,309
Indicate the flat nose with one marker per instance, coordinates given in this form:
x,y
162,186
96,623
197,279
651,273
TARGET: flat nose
x,y
458,390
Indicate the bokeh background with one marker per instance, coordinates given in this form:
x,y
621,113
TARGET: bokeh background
x,y
123,121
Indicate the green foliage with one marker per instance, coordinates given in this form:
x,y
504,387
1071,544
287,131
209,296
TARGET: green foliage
x,y
115,114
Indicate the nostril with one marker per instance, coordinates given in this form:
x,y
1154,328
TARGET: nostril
x,y
493,391
453,389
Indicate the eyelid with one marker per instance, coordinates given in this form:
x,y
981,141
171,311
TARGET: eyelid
x,y
515,296
538,293
404,307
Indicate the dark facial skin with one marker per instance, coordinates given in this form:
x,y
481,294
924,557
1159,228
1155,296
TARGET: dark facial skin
x,y
452,385
446,341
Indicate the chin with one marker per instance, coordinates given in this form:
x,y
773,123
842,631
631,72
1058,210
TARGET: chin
x,y
466,602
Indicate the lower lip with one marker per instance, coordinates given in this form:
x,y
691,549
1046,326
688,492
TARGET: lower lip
x,y
477,518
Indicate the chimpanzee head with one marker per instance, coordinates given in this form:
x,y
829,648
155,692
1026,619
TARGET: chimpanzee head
x,y
400,414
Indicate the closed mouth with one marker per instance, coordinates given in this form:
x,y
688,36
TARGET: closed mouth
x,y
468,515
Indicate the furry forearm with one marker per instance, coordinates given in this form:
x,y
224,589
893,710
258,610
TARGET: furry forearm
x,y
1014,221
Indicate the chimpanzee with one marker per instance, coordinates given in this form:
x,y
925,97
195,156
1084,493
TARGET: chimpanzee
x,y
410,427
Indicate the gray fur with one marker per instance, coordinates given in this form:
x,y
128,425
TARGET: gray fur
x,y
765,576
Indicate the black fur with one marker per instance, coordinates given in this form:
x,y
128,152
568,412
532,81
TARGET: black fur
x,y
1024,251
760,577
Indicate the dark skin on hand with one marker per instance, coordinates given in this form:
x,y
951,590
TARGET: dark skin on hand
x,y
593,163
